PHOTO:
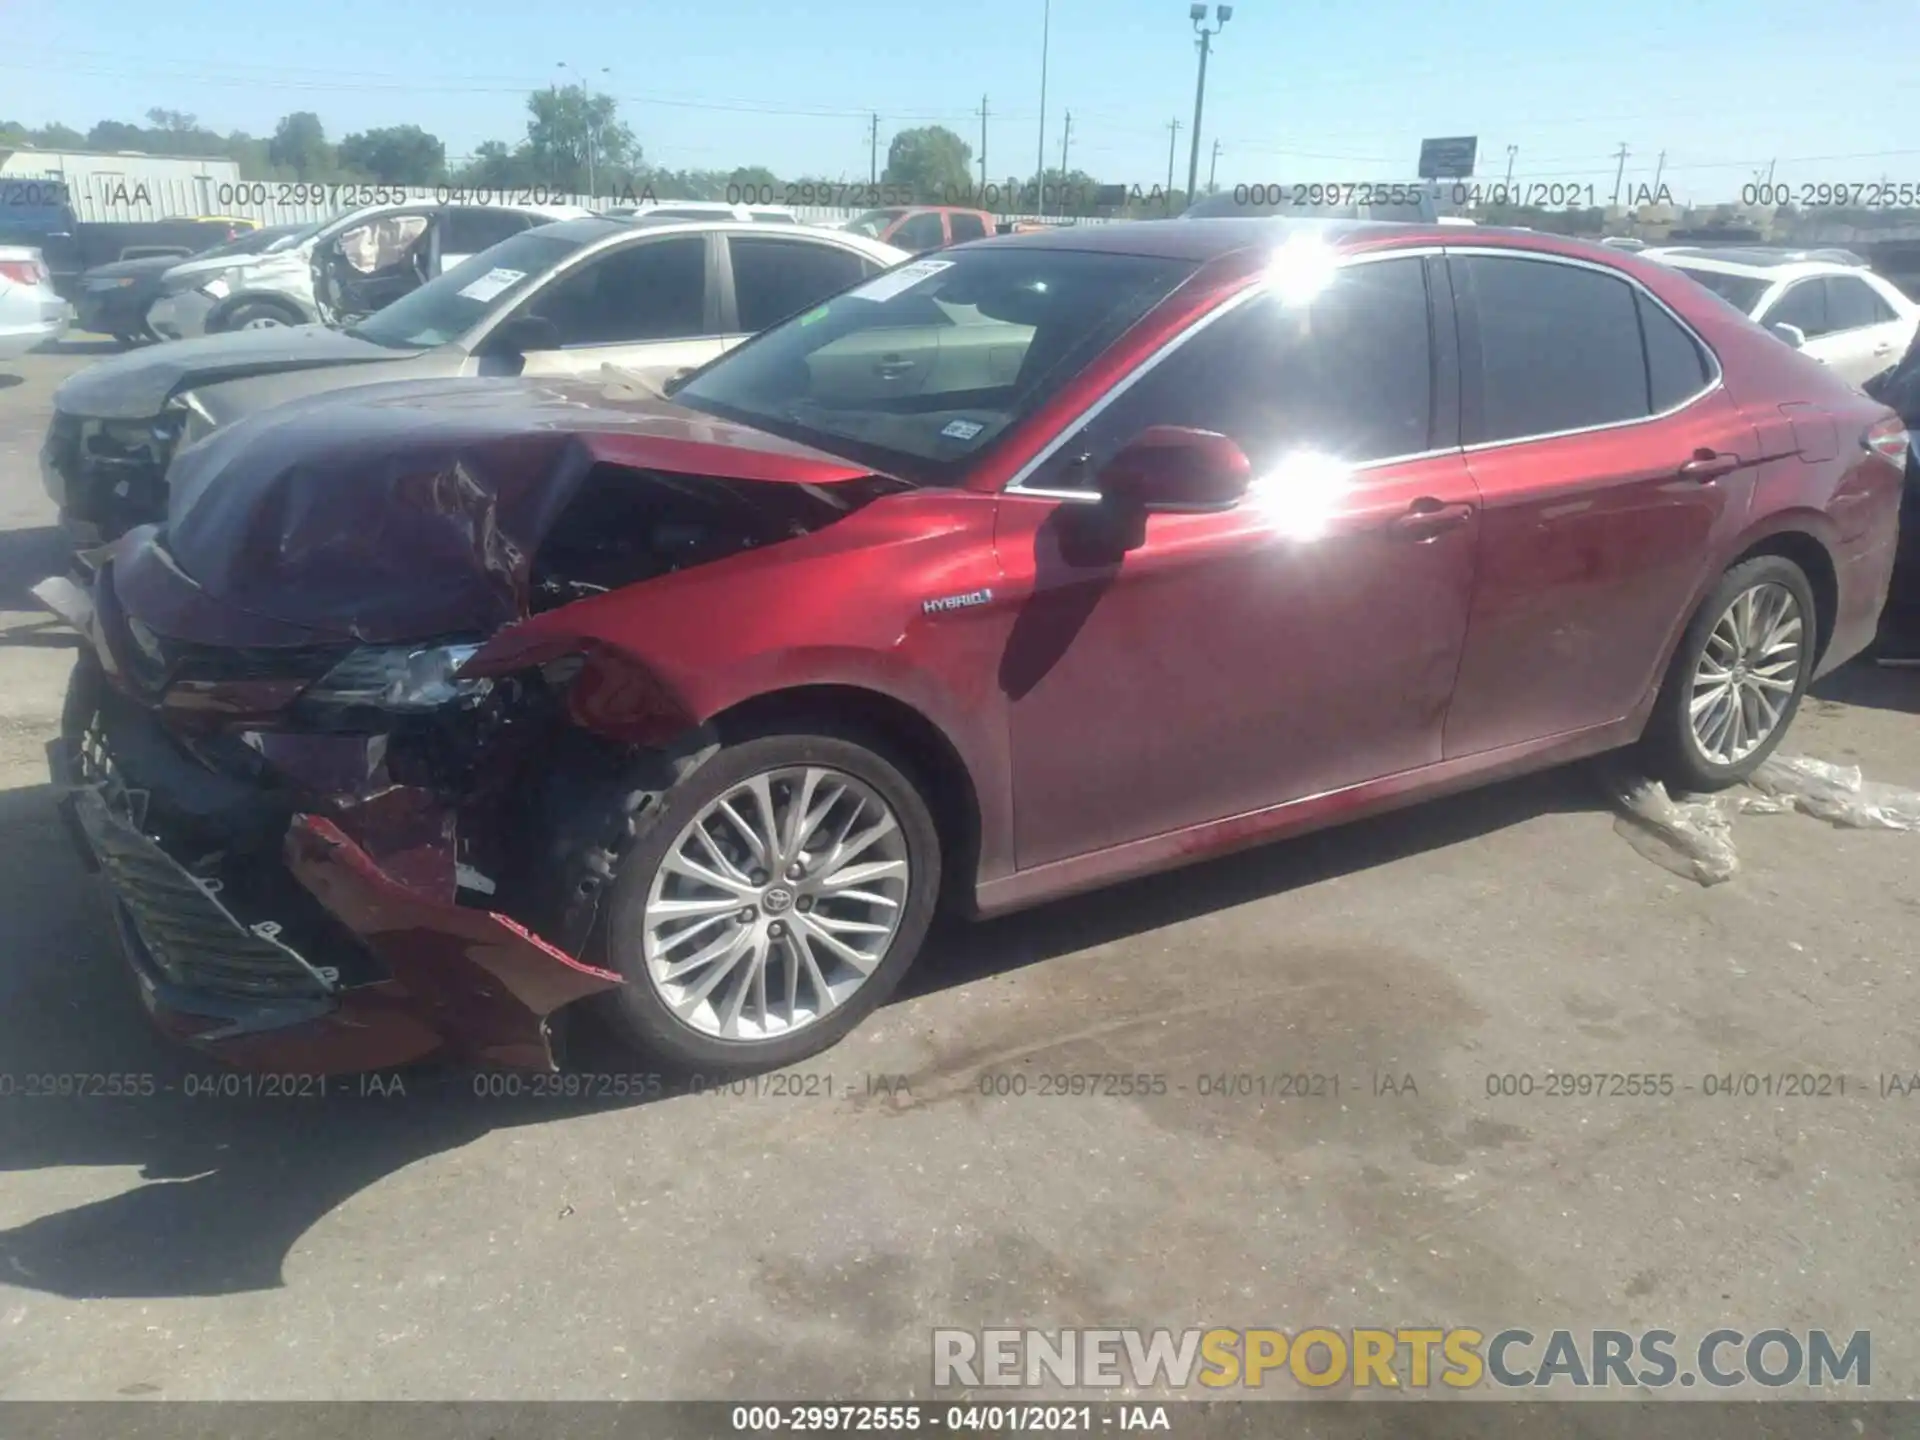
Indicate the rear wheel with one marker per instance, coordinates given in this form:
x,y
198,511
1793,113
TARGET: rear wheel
x,y
259,315
1737,677
771,900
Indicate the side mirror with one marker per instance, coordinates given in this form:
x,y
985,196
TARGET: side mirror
x,y
671,385
1792,334
525,334
1175,469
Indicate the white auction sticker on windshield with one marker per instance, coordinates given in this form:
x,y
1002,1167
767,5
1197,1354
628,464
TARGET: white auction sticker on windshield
x,y
962,429
886,286
492,283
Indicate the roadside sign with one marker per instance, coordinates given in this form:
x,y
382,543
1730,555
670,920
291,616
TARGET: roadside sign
x,y
1448,158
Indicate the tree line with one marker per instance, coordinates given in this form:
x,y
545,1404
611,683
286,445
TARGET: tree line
x,y
575,142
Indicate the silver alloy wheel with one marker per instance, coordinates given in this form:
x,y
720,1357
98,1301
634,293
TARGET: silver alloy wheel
x,y
776,903
1747,673
265,322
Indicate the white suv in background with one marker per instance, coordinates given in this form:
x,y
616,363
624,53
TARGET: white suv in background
x,y
1841,314
340,268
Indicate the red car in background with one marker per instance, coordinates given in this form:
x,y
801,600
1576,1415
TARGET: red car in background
x,y
1017,570
920,228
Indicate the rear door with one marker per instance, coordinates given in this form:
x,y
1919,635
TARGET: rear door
x,y
1610,463
651,304
1867,333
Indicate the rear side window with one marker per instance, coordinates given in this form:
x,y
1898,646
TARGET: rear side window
x,y
1348,376
1559,349
1676,366
1852,304
966,226
1804,305
920,232
469,231
773,279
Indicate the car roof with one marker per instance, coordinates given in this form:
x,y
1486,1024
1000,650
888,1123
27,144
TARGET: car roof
x,y
1720,263
595,228
1210,237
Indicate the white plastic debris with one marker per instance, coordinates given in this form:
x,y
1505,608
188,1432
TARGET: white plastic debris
x,y
1838,794
1691,838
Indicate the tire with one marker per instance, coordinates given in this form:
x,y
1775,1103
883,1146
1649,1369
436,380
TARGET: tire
x,y
257,315
1705,757
697,1037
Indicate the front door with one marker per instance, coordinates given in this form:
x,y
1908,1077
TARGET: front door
x,y
1303,642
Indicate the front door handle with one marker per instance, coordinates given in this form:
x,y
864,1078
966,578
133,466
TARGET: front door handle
x,y
892,367
1428,518
1707,466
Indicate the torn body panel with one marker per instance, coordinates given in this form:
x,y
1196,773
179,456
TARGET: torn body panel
x,y
296,880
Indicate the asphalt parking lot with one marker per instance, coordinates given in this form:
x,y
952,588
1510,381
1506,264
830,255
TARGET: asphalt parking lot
x,y
442,1243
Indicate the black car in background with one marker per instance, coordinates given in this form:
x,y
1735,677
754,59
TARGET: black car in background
x,y
1898,642
114,299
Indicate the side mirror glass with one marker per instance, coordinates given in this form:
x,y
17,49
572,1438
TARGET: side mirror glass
x,y
1175,469
525,334
1792,334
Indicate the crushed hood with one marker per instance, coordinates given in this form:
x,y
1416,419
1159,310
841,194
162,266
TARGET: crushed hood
x,y
136,385
414,509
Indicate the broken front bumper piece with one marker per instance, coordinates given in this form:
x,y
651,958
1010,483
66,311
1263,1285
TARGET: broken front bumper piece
x,y
380,974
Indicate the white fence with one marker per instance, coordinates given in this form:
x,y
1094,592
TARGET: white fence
x,y
299,202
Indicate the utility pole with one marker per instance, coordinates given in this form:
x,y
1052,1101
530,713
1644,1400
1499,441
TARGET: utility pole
x,y
1213,168
1659,168
1173,139
1198,14
873,151
1040,166
1512,151
983,146
1066,135
1622,158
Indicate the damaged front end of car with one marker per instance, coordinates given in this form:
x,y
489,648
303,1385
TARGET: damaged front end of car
x,y
335,838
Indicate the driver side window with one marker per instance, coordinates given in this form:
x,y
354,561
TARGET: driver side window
x,y
654,290
1349,376
1803,305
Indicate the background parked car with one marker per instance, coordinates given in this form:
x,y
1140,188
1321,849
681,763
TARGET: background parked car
x,y
557,300
114,299
920,228
31,313
1838,311
38,215
339,268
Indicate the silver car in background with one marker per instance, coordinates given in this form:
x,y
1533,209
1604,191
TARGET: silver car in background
x,y
30,312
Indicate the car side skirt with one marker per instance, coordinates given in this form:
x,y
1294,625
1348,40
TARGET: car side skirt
x,y
1298,817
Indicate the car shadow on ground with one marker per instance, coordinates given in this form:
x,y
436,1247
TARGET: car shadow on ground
x,y
1874,687
26,558
227,1182
8,380
92,345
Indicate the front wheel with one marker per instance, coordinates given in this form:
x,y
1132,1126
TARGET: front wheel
x,y
259,315
771,901
1736,679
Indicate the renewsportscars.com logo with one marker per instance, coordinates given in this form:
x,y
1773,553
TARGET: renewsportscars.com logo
x,y
1322,1357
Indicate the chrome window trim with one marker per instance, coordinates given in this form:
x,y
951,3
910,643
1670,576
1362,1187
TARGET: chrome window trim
x,y
1018,486
1714,381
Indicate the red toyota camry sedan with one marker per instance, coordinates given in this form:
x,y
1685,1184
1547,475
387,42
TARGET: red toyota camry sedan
x,y
436,708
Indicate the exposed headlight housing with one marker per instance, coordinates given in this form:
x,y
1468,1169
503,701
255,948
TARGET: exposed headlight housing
x,y
399,679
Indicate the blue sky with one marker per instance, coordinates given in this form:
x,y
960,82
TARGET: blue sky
x,y
1298,90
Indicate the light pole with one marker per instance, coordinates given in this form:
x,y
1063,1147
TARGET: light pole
x,y
586,115
1040,167
1198,14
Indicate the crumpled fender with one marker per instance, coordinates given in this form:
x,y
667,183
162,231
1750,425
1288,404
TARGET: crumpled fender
x,y
483,979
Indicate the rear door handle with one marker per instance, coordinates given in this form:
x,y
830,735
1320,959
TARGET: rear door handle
x,y
892,367
1707,466
1427,518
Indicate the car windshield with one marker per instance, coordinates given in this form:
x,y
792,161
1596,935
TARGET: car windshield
x,y
919,370
1742,292
874,223
447,307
